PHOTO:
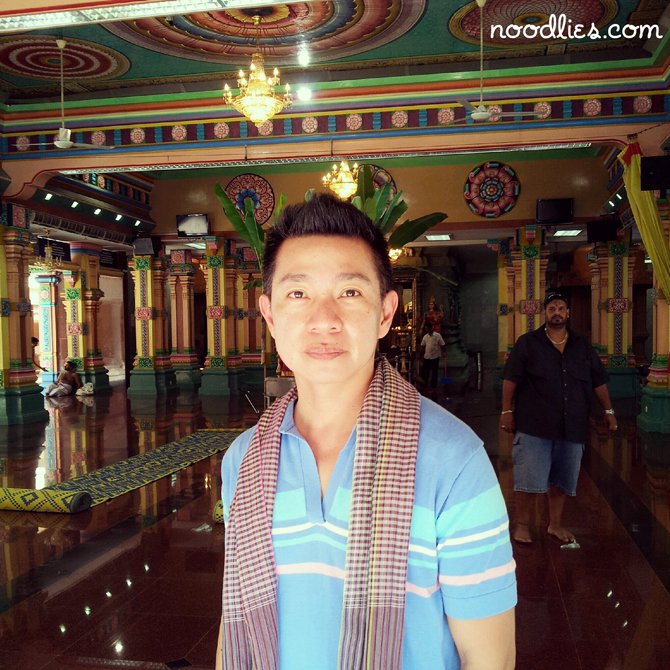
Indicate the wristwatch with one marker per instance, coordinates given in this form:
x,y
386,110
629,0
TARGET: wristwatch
x,y
610,411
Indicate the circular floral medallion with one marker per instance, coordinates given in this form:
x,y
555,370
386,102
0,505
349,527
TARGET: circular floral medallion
x,y
642,104
399,118
309,124
22,143
221,130
592,107
178,133
446,115
542,109
98,138
381,177
258,189
492,189
354,122
266,128
137,135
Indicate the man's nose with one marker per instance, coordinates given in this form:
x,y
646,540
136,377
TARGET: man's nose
x,y
325,315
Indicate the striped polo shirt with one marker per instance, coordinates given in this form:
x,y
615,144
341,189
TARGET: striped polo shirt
x,y
460,559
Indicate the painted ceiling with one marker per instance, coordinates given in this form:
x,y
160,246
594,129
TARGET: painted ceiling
x,y
346,39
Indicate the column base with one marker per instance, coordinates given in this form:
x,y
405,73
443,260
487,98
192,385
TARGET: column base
x,y
220,381
623,382
23,404
151,382
253,376
654,416
99,377
188,378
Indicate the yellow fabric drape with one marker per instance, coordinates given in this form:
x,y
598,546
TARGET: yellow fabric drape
x,y
646,216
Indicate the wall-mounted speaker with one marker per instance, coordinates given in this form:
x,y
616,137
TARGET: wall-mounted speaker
x,y
143,246
654,172
602,230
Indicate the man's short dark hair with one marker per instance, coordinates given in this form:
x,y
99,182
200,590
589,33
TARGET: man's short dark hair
x,y
34,341
556,295
71,364
326,215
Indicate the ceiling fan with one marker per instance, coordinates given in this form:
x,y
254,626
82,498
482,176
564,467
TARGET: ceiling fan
x,y
62,139
481,112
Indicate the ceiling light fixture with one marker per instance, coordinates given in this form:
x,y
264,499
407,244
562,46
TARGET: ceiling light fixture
x,y
74,204
48,196
47,262
395,254
257,99
341,180
441,237
137,222
118,217
568,233
97,211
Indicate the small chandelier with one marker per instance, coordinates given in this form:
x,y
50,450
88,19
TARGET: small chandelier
x,y
257,99
395,254
341,180
48,261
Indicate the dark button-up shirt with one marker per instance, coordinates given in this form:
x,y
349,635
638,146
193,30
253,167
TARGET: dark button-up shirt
x,y
554,390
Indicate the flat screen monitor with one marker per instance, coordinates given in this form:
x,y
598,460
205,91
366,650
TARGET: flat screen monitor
x,y
654,173
602,230
553,211
192,225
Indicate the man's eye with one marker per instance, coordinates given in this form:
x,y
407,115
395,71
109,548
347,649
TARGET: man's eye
x,y
351,293
296,294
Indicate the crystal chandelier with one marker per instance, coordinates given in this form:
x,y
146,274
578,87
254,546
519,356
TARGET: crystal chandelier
x,y
257,99
341,180
48,261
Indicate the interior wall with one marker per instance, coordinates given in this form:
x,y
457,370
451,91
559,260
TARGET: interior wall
x,y
425,188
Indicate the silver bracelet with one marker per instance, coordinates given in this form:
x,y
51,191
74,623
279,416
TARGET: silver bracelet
x,y
507,411
610,411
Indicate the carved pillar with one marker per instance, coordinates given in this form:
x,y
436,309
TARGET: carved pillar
x,y
152,371
20,396
183,354
505,305
217,378
529,262
655,402
611,319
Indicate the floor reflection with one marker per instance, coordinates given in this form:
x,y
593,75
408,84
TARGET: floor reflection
x,y
136,581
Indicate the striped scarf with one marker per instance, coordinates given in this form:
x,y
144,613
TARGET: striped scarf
x,y
376,559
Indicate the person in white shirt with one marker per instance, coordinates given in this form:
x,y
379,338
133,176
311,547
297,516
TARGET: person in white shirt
x,y
431,344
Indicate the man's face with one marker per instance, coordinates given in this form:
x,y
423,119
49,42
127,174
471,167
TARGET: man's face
x,y
556,313
326,312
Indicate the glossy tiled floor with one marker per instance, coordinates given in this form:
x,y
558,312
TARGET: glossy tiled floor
x,y
135,583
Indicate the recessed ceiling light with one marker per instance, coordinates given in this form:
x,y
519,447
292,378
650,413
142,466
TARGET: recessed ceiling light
x,y
196,245
74,204
48,196
567,233
647,260
97,211
304,56
443,237
611,203
137,222
118,217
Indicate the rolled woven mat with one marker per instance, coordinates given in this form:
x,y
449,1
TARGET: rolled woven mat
x,y
217,512
44,500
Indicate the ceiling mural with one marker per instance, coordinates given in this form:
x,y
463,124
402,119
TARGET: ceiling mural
x,y
331,29
39,58
346,39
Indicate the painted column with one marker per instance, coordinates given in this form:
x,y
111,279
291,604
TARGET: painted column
x,y
217,379
505,305
152,371
49,302
529,261
655,402
612,325
249,279
183,355
89,361
21,400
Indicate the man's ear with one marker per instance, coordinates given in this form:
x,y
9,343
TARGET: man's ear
x,y
389,306
266,310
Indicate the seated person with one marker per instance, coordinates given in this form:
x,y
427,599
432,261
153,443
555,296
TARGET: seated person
x,y
67,383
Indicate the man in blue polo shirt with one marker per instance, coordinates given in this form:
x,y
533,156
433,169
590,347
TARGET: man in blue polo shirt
x,y
365,527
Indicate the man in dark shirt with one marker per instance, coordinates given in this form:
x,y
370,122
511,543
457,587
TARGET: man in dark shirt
x,y
548,382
